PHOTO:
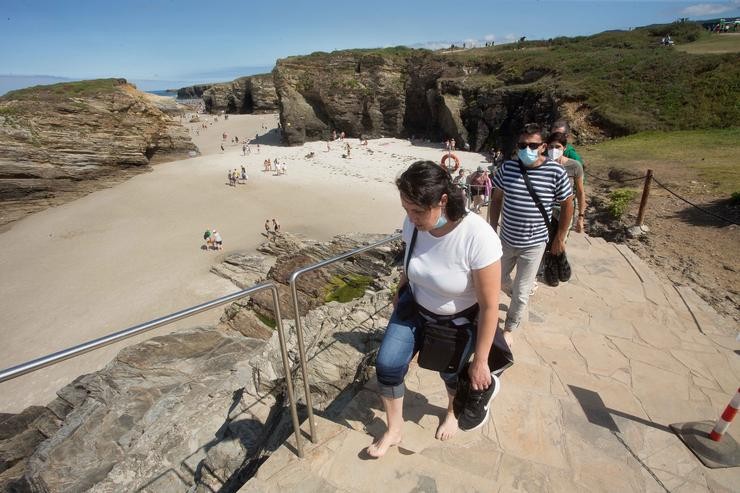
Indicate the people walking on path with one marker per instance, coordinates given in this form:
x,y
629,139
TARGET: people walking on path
x,y
524,234
556,145
451,279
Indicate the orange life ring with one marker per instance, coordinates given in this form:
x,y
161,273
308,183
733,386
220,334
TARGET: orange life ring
x,y
444,160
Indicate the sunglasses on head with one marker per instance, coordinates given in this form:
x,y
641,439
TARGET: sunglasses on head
x,y
531,145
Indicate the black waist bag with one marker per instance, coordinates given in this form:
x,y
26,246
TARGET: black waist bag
x,y
443,346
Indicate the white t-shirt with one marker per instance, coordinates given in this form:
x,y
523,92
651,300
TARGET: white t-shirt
x,y
441,269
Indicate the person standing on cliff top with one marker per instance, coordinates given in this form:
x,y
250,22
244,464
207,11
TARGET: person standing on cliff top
x,y
275,225
267,228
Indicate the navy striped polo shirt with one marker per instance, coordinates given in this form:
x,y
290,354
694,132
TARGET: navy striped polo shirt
x,y
522,224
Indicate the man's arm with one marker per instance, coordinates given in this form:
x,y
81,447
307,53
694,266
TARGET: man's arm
x,y
581,196
566,212
494,212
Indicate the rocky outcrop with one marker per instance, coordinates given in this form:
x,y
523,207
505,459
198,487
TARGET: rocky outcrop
x,y
253,94
354,92
65,140
193,92
197,410
406,93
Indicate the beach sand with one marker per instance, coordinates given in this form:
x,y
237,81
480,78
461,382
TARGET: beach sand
x,y
128,254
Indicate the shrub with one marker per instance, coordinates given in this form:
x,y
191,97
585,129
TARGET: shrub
x,y
619,201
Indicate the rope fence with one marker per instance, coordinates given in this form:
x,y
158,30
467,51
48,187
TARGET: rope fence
x,y
649,177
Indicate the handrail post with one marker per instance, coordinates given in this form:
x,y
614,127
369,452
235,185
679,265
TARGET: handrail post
x,y
302,357
288,374
645,194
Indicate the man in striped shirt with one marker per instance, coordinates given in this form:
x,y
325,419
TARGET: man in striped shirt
x,y
523,231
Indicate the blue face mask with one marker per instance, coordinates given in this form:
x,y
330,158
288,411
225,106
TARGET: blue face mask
x,y
441,221
528,156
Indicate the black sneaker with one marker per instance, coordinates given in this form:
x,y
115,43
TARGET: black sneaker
x,y
564,271
551,271
478,406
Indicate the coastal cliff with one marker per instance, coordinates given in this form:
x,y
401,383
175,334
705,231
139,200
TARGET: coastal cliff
x,y
252,94
65,140
610,84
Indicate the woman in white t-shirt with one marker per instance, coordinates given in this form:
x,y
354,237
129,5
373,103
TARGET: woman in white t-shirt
x,y
454,265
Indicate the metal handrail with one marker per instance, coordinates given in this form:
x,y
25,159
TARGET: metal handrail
x,y
37,364
299,326
51,359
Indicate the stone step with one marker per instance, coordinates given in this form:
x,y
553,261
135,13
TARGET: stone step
x,y
337,463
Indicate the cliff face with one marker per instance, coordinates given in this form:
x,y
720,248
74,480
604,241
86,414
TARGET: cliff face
x,y
193,92
253,94
64,140
412,93
609,84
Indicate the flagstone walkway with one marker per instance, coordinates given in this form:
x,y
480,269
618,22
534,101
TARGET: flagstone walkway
x,y
604,365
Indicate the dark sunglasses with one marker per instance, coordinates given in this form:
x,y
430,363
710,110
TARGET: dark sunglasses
x,y
531,145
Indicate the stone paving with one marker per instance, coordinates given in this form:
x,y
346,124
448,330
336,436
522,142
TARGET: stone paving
x,y
605,363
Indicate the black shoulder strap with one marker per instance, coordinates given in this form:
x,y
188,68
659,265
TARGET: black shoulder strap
x,y
409,250
534,196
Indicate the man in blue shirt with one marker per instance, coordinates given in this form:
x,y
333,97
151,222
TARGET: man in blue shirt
x,y
523,231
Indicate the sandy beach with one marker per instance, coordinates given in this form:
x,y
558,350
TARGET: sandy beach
x,y
131,253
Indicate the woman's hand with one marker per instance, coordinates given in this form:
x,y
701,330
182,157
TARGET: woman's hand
x,y
480,374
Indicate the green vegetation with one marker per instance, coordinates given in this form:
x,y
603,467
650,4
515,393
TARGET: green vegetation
x,y
630,82
705,155
713,43
270,322
619,201
735,198
347,288
65,90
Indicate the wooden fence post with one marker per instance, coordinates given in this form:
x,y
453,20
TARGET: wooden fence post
x,y
645,194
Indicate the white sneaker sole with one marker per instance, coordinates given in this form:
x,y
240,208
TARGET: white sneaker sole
x,y
488,404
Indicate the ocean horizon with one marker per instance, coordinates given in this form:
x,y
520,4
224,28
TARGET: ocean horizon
x,y
11,82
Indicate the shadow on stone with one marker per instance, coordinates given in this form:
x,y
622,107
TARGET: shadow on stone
x,y
597,413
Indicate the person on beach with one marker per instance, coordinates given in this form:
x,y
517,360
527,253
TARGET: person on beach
x,y
222,148
244,174
524,233
275,225
217,240
453,278
267,228
477,183
207,237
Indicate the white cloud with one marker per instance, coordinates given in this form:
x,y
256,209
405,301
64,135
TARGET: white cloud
x,y
708,9
489,37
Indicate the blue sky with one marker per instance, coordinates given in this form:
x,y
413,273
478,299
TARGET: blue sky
x,y
171,40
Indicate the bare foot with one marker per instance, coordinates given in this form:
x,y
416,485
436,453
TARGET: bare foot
x,y
448,428
509,338
380,447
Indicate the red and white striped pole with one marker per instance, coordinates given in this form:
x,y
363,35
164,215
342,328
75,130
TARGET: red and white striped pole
x,y
724,421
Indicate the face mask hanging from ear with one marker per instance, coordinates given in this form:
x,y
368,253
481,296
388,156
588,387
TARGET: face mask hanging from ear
x,y
441,221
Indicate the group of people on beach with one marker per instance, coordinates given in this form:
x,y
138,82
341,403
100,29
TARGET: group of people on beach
x,y
275,166
456,263
213,240
275,227
236,178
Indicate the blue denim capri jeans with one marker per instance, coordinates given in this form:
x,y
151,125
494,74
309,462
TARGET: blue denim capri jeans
x,y
402,340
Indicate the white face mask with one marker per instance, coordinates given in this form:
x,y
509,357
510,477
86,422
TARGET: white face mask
x,y
554,153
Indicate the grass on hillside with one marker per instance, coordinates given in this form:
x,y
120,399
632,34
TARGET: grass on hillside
x,y
714,43
628,79
709,156
64,90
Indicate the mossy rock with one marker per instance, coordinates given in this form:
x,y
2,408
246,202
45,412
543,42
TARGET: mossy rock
x,y
347,288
